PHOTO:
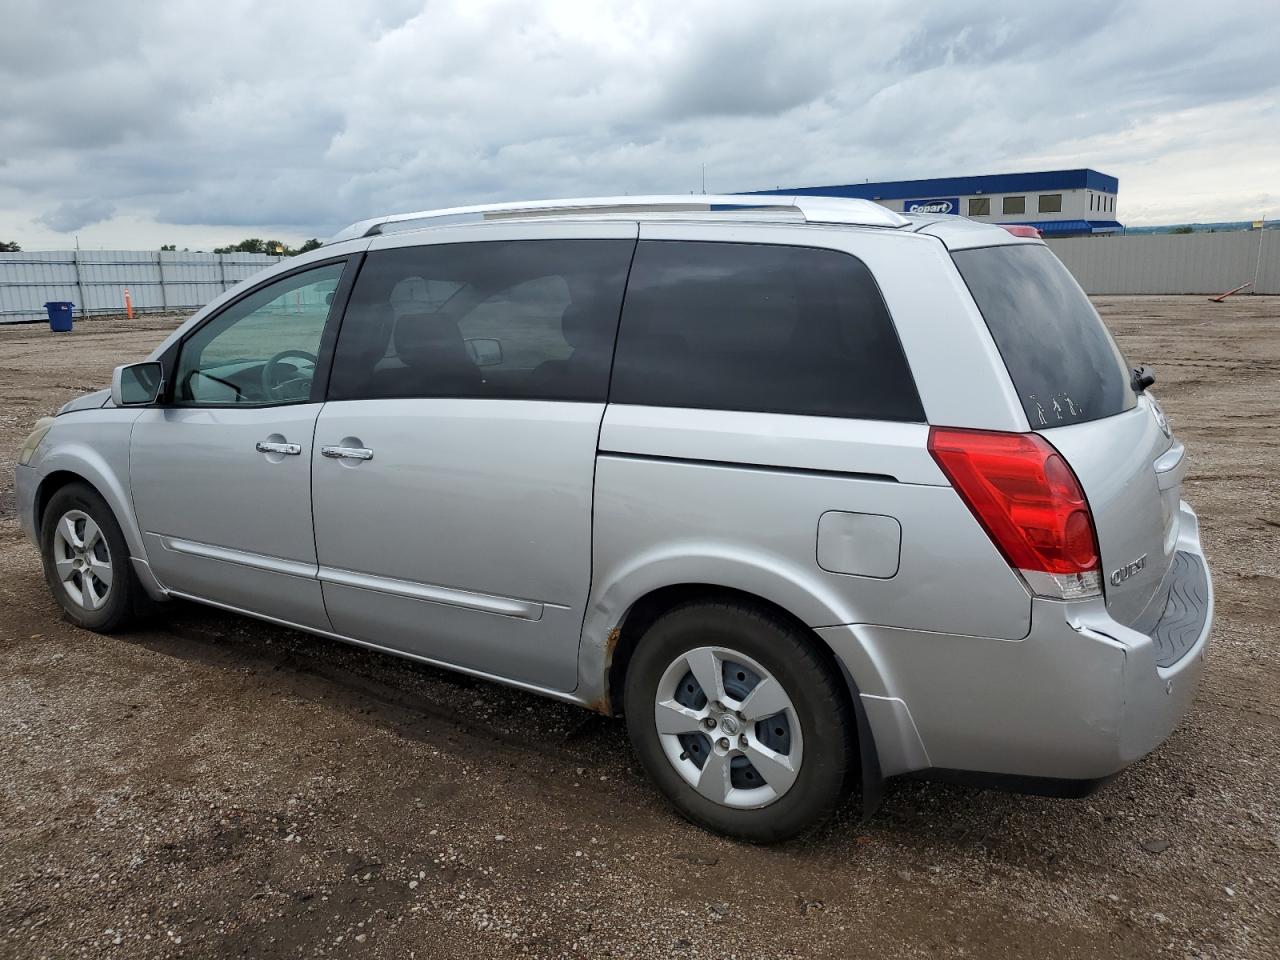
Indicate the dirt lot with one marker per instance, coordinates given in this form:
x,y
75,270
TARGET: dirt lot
x,y
212,786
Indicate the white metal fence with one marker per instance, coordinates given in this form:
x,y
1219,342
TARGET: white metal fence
x,y
1173,263
95,280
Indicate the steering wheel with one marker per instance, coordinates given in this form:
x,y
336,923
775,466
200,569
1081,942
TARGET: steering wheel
x,y
293,387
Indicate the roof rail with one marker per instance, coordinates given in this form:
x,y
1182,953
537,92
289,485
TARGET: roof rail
x,y
811,209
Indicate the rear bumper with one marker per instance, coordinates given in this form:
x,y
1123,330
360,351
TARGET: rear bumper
x,y
1078,699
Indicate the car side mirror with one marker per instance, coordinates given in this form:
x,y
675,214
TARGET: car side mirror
x,y
137,384
1140,378
484,351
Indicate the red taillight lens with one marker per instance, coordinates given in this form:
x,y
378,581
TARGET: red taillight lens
x,y
1029,502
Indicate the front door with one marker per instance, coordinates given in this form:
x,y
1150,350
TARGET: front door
x,y
221,474
453,463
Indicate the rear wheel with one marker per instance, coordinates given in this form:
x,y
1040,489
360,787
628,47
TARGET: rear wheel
x,y
86,561
739,721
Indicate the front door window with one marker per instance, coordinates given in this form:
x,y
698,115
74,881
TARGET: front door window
x,y
263,349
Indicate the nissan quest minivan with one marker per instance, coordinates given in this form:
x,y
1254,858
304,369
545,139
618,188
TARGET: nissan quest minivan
x,y
809,492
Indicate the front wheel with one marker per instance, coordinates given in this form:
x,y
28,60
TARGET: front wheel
x,y
86,561
739,720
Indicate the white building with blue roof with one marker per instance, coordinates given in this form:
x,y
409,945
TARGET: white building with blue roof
x,y
1059,203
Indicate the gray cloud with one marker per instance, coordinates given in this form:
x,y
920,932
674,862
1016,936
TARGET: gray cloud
x,y
74,214
188,120
748,69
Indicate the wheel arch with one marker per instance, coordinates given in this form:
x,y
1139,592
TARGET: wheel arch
x,y
66,468
647,609
628,588
51,484
76,459
77,462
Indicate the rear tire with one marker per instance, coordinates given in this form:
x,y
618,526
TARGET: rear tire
x,y
86,561
761,770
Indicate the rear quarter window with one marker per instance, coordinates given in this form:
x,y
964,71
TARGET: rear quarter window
x,y
759,327
1060,356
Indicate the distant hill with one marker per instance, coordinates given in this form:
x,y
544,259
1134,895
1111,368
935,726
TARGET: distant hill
x,y
1222,227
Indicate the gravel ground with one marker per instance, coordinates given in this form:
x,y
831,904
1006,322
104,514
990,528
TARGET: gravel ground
x,y
213,786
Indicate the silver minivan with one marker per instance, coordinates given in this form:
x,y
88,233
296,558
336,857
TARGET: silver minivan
x,y
811,493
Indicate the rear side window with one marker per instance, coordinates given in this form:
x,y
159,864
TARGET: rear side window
x,y
1060,356
523,319
775,329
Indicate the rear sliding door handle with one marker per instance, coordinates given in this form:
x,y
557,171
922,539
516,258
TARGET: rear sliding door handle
x,y
271,446
347,453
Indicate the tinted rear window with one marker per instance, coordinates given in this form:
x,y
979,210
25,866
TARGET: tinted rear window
x,y
775,329
1060,356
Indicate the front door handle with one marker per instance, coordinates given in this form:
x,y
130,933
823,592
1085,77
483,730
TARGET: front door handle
x,y
272,446
347,453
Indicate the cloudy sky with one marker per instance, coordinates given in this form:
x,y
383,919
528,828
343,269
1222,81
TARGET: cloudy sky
x,y
132,124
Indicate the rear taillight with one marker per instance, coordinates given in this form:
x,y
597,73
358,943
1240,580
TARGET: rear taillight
x,y
1029,502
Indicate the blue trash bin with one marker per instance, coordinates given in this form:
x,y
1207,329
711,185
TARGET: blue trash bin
x,y
59,315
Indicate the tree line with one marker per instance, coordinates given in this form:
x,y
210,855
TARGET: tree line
x,y
252,245
273,247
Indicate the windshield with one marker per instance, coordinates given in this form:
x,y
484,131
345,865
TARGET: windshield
x,y
1060,356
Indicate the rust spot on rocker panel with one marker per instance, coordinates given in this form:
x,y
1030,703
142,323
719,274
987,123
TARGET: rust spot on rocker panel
x,y
602,704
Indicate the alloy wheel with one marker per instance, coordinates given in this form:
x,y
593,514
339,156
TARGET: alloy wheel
x,y
82,559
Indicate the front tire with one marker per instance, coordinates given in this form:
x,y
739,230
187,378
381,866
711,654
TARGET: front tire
x,y
86,561
740,721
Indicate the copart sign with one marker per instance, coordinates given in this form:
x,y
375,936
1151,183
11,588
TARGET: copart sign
x,y
936,205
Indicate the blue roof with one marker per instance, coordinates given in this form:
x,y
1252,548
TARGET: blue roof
x,y
1081,179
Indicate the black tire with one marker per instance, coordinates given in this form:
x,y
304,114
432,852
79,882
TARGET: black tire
x,y
818,694
125,599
